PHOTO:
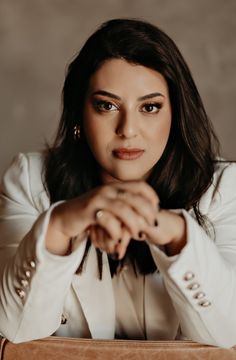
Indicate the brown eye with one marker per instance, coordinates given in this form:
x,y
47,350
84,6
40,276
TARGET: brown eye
x,y
106,106
102,105
151,108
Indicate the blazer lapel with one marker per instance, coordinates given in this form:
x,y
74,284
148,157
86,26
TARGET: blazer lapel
x,y
96,297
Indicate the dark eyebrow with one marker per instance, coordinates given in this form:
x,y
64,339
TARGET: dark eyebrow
x,y
150,96
113,96
106,93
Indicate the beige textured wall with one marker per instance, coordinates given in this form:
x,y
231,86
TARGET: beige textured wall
x,y
38,37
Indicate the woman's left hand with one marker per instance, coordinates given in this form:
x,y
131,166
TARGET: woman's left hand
x,y
170,231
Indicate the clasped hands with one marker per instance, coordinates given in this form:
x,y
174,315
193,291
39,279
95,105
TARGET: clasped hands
x,y
111,215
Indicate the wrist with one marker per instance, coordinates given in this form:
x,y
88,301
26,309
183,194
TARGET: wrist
x,y
57,242
179,239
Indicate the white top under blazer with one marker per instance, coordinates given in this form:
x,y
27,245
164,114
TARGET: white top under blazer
x,y
41,295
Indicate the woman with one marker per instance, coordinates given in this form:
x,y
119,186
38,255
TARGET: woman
x,y
126,226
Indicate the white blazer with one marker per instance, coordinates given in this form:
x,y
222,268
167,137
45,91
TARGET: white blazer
x,y
195,289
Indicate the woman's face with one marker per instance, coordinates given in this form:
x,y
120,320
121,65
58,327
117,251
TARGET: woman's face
x,y
127,119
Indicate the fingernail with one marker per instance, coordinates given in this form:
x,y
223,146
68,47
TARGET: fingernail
x,y
114,256
155,222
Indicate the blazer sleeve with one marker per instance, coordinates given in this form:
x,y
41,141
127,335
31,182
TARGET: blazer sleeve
x,y
201,280
33,282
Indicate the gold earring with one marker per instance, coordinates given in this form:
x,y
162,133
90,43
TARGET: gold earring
x,y
77,132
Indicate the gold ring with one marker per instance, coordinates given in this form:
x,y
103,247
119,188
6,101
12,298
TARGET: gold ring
x,y
99,214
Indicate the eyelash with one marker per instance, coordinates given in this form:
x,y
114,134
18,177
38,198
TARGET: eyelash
x,y
99,105
157,105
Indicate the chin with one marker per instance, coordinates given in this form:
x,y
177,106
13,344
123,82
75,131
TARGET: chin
x,y
130,176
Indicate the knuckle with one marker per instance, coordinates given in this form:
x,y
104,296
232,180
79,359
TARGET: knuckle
x,y
142,222
94,202
103,190
115,233
125,240
110,248
121,206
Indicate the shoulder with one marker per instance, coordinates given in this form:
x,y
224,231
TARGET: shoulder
x,y
24,167
221,192
26,162
224,178
24,179
30,159
224,167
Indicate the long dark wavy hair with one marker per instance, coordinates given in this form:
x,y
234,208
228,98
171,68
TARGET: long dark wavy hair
x,y
184,171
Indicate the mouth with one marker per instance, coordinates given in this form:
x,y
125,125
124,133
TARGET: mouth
x,y
127,154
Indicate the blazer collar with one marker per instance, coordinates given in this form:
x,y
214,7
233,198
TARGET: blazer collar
x,y
96,296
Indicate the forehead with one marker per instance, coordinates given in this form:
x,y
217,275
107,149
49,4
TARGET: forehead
x,y
117,75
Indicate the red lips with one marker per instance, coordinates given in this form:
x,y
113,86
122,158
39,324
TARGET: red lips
x,y
127,154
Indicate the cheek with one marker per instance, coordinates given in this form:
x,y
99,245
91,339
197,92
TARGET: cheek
x,y
95,133
166,125
165,131
90,126
161,134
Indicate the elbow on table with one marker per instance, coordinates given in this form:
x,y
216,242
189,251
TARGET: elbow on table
x,y
17,336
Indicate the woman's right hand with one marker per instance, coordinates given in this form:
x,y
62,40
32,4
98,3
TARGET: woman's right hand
x,y
126,208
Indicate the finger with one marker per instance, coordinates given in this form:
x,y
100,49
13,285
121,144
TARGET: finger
x,y
109,223
127,216
93,236
140,188
129,192
161,233
141,206
122,245
104,241
135,187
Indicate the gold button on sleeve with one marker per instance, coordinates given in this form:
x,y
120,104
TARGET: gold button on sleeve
x,y
193,286
199,295
205,303
28,274
24,283
20,293
32,264
188,276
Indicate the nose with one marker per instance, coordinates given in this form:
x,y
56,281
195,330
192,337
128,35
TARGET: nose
x,y
127,126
